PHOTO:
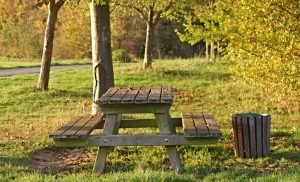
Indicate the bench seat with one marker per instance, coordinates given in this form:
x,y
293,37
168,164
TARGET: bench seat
x,y
78,128
200,124
198,127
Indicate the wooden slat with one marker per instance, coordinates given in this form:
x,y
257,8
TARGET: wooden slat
x,y
117,97
166,95
104,99
142,96
89,126
252,137
200,124
258,122
130,95
240,136
76,127
65,127
264,135
135,140
208,114
214,128
268,133
235,136
246,136
188,125
154,95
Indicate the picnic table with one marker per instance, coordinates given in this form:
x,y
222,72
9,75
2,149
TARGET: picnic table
x,y
198,127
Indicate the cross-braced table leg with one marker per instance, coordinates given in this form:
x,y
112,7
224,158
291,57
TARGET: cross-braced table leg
x,y
166,127
111,126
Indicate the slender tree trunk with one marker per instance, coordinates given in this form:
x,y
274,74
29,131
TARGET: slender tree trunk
x,y
48,44
149,40
101,52
212,52
206,51
218,52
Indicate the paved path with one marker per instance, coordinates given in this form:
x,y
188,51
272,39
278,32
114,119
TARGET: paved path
x,y
20,71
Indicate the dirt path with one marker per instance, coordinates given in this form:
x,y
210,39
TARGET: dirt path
x,y
20,71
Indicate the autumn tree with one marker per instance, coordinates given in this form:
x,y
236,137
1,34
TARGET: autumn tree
x,y
20,29
151,11
262,38
53,8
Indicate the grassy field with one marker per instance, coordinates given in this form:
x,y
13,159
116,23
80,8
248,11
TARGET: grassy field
x,y
28,116
17,63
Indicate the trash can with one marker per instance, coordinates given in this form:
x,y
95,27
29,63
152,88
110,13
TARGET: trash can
x,y
251,132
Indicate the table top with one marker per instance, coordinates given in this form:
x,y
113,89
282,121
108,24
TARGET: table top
x,y
137,95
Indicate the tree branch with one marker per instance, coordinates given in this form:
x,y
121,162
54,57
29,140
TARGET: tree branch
x,y
287,11
158,14
141,13
60,3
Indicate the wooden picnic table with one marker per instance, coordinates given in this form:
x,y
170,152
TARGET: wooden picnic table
x,y
118,101
198,127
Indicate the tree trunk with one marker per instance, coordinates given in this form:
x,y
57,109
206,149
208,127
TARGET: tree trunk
x,y
48,45
149,40
212,52
218,52
206,51
101,52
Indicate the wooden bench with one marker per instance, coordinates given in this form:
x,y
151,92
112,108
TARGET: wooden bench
x,y
200,124
198,128
78,128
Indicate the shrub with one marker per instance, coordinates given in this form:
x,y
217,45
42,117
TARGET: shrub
x,y
121,56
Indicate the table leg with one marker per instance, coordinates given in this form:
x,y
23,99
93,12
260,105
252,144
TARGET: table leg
x,y
166,127
111,126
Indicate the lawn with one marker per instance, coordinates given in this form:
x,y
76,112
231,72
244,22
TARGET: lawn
x,y
28,116
21,63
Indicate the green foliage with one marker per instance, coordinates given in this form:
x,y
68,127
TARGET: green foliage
x,y
121,56
263,37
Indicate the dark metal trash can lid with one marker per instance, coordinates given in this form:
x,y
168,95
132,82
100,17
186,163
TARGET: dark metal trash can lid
x,y
250,115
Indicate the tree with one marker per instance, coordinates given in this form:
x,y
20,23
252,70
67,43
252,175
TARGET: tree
x,y
262,39
101,50
53,9
202,24
150,11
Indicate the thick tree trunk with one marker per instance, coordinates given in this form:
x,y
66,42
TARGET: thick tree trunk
x,y
149,40
48,46
101,52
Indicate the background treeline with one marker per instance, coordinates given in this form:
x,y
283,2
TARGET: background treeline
x,y
260,39
22,29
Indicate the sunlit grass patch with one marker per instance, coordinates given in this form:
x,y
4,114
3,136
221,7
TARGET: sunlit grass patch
x,y
28,116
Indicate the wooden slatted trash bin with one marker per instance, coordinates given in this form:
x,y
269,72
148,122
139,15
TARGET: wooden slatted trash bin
x,y
251,134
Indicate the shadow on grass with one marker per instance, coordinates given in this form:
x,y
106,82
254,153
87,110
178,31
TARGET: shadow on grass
x,y
280,134
205,75
14,161
293,156
69,93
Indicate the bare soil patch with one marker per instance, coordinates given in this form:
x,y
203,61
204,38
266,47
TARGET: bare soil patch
x,y
62,160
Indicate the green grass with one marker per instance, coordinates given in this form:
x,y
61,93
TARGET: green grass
x,y
27,116
21,63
